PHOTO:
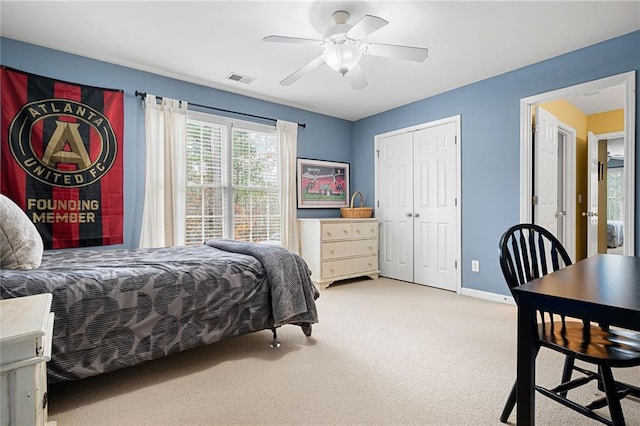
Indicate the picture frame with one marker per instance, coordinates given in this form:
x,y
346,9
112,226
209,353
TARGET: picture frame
x,y
322,184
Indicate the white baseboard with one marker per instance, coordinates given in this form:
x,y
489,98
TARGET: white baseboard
x,y
494,297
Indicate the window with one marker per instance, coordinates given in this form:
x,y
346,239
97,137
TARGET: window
x,y
232,181
615,197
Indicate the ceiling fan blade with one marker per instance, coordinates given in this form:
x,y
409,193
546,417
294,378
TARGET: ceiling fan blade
x,y
356,78
293,40
302,71
417,54
367,25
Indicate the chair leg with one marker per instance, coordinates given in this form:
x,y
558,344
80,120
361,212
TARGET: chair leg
x,y
613,401
508,407
600,383
567,371
511,400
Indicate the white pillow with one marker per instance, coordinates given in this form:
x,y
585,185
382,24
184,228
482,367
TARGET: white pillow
x,y
20,243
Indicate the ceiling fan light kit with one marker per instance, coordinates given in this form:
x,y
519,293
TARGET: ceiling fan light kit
x,y
342,56
344,46
341,53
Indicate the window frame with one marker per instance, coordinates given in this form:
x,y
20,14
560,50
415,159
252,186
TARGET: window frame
x,y
231,125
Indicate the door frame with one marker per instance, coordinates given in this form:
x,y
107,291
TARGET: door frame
x,y
569,187
453,119
605,137
526,168
568,183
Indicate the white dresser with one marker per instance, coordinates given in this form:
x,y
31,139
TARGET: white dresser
x,y
26,328
337,249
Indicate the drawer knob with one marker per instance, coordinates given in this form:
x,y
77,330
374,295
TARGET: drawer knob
x,y
331,251
345,231
357,231
328,233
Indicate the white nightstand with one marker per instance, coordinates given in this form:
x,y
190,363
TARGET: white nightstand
x,y
26,329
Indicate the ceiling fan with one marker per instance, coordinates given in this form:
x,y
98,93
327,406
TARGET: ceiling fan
x,y
344,45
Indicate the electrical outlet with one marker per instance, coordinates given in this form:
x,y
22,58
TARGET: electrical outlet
x,y
475,266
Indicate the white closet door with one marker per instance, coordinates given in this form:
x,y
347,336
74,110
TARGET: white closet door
x,y
395,209
435,218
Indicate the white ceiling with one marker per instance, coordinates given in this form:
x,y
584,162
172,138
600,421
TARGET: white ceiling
x,y
204,41
600,101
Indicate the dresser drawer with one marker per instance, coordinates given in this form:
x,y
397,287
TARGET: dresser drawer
x,y
365,230
335,250
336,231
336,268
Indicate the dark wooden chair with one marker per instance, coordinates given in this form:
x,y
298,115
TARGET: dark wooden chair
x,y
528,251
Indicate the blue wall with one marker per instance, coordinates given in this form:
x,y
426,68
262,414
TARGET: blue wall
x,y
490,143
324,138
490,135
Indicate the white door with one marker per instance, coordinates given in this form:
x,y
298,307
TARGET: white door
x,y
592,203
434,199
395,208
545,171
416,205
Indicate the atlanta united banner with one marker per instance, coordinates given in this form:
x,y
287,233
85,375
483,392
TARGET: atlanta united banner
x,y
61,158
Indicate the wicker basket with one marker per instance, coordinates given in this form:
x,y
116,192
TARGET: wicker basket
x,y
355,212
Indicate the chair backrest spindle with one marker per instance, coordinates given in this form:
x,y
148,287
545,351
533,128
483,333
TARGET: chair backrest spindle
x,y
529,251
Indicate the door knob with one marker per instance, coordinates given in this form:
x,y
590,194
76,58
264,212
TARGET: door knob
x,y
416,215
407,214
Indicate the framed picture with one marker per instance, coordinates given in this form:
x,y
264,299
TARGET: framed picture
x,y
322,184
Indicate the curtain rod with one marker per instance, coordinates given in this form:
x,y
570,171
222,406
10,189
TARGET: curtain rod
x,y
144,94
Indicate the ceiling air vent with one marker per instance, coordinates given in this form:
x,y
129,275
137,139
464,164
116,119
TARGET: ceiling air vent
x,y
240,78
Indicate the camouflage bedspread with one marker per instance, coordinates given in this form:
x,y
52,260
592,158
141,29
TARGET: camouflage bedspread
x,y
118,308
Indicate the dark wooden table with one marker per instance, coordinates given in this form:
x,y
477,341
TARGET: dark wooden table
x,y
602,288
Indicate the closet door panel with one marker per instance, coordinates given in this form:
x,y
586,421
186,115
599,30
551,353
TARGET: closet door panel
x,y
395,211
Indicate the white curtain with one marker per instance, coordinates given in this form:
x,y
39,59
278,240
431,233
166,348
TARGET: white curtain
x,y
163,216
287,134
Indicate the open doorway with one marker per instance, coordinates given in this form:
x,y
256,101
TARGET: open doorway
x,y
627,83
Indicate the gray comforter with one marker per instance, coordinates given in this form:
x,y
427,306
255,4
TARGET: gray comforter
x,y
289,279
118,308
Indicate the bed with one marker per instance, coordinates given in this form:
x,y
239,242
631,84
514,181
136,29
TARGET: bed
x,y
117,308
614,233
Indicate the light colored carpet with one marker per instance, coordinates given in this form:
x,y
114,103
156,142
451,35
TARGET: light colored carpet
x,y
384,353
